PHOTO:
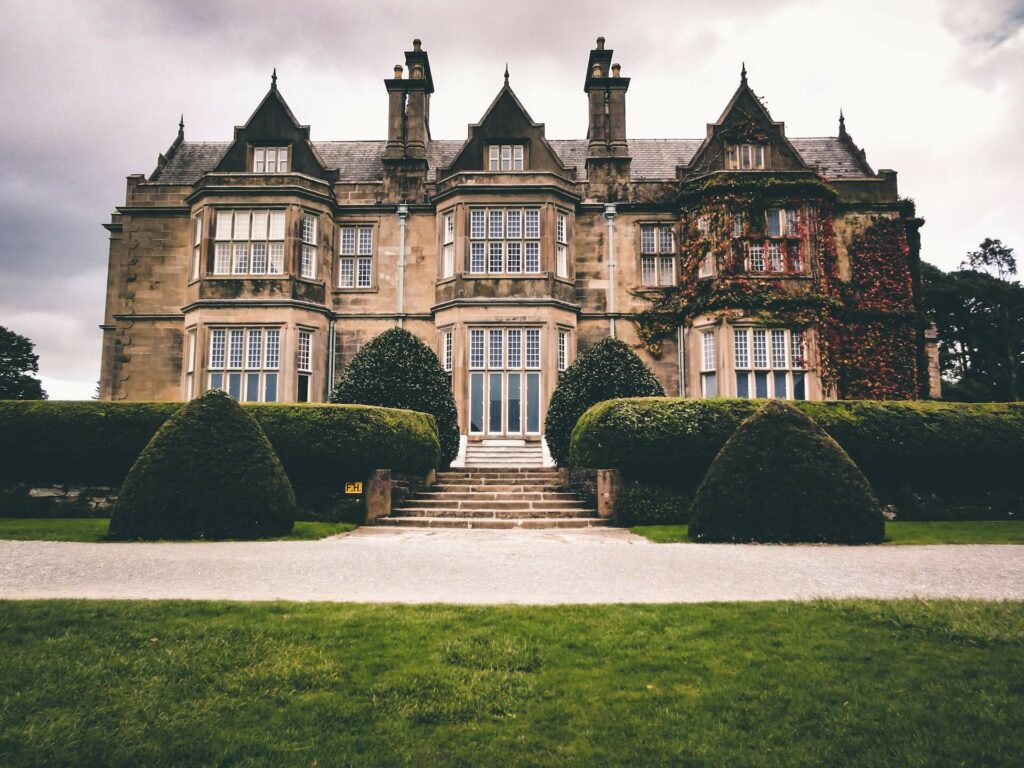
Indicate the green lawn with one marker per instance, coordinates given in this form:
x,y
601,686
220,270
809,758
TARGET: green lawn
x,y
852,683
95,529
954,532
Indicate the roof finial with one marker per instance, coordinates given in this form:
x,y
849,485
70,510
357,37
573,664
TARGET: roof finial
x,y
506,73
181,126
743,74
273,80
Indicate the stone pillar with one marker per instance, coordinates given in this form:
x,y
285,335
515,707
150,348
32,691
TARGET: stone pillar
x,y
609,482
377,494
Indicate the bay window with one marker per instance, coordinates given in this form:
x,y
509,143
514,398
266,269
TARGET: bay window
x,y
504,241
244,362
770,363
249,242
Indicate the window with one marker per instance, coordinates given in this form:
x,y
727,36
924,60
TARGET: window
x,y
778,250
770,362
244,362
308,232
446,353
745,157
504,241
355,263
249,242
448,246
190,364
657,255
270,160
505,157
304,365
561,244
563,350
707,265
708,364
197,244
504,380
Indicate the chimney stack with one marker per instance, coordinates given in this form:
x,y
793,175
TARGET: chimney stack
x,y
608,160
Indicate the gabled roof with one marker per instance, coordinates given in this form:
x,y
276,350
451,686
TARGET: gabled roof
x,y
506,119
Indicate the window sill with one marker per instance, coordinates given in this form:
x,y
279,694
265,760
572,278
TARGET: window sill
x,y
242,277
336,291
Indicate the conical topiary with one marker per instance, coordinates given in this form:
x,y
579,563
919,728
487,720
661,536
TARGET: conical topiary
x,y
396,370
606,370
208,473
781,478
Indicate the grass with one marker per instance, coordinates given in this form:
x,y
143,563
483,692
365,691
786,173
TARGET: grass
x,y
853,683
896,532
94,529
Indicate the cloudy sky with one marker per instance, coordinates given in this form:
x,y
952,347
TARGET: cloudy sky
x,y
92,91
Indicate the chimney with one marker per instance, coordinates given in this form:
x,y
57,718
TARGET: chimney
x,y
608,160
405,155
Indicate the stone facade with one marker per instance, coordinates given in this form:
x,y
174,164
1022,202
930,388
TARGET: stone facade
x,y
228,268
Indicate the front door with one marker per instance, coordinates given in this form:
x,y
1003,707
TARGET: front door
x,y
504,381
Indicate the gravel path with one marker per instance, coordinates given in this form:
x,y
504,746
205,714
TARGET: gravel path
x,y
459,566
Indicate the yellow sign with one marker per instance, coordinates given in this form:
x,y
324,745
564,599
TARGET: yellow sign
x,y
353,487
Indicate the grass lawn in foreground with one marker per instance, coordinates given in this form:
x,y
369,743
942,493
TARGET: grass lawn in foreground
x,y
852,683
94,529
896,532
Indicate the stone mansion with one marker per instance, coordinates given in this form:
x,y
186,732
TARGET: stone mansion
x,y
260,265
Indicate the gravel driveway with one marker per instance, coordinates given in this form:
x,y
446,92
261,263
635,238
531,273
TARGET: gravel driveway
x,y
460,566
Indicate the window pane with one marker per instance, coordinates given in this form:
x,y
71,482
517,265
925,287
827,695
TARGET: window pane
x,y
514,257
648,270
517,157
515,348
778,349
755,254
666,271
791,223
496,349
271,165
799,386
252,387
448,268
774,228
254,356
309,229
476,223
737,225
347,273
257,160
506,157
514,223
273,348
476,349
497,223
259,225
532,223
493,164
775,256
495,402
348,241
216,381
562,260
241,260
476,257
259,258
514,402
709,384
235,342
779,385
760,348
275,265
476,402
741,350
449,227
532,348
303,390
761,384
364,277
282,160
365,241
647,239
224,219
222,259
217,349
665,241
270,388
308,266
533,402
235,385
709,352
532,257
797,351
562,350
242,220
743,384
276,225
560,227
497,257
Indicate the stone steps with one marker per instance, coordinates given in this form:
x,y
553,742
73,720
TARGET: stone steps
x,y
503,514
494,522
515,495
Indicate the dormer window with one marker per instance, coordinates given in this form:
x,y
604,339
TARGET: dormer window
x,y
745,157
270,160
505,157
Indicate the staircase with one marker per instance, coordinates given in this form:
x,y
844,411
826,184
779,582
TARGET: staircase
x,y
501,486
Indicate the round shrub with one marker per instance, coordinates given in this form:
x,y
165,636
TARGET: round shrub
x,y
397,370
604,371
650,504
781,478
208,473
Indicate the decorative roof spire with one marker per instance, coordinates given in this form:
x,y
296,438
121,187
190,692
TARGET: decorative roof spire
x,y
506,73
181,126
842,122
743,74
273,80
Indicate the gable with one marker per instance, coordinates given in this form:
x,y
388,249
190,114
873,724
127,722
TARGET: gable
x,y
272,125
506,122
745,120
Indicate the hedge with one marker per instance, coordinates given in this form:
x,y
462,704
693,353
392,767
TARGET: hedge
x,y
185,485
977,446
96,443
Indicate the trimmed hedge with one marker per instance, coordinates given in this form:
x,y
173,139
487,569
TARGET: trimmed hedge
x,y
96,443
926,445
605,370
650,504
780,478
208,473
397,370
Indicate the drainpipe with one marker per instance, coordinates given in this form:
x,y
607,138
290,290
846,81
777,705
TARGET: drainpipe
x,y
681,344
403,215
331,347
609,215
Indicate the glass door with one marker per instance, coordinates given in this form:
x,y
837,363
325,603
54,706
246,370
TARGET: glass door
x,y
504,381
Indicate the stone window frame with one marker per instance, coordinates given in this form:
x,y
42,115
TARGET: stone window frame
x,y
496,159
259,158
304,361
742,157
482,241
778,252
782,356
224,364
309,244
356,257
562,255
659,258
227,245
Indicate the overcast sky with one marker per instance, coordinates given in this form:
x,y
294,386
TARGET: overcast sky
x,y
93,90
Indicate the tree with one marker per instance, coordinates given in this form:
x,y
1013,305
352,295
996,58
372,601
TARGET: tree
x,y
17,361
991,254
397,370
980,322
604,371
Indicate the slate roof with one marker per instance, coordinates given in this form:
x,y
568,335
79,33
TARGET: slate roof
x,y
653,159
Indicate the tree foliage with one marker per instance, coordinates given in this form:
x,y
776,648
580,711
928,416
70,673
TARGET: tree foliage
x,y
17,360
606,370
980,322
397,370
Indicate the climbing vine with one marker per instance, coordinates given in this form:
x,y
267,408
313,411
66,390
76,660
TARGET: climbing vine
x,y
865,324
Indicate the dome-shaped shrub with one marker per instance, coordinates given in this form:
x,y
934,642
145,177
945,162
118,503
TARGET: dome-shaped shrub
x,y
606,370
208,473
397,370
781,478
